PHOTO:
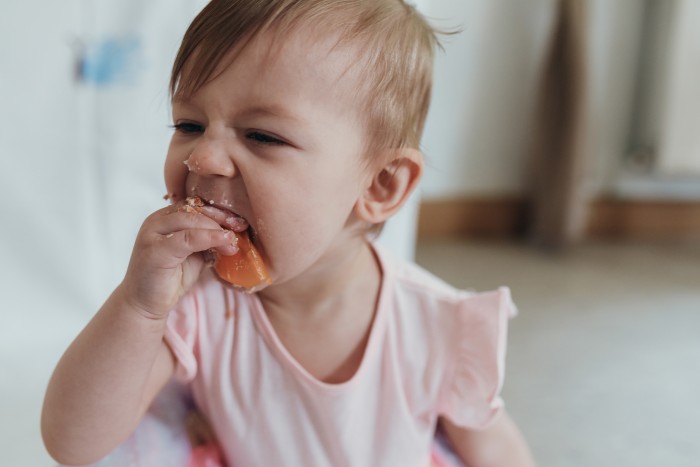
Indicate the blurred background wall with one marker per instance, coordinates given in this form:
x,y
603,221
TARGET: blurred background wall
x,y
486,81
639,130
83,93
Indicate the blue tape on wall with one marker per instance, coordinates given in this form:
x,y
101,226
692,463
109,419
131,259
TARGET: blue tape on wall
x,y
112,60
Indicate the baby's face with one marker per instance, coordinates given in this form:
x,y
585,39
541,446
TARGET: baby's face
x,y
277,138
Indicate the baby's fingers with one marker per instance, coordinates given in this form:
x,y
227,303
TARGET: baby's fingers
x,y
184,243
225,219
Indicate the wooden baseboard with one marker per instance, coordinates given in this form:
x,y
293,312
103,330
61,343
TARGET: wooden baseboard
x,y
607,218
645,219
492,217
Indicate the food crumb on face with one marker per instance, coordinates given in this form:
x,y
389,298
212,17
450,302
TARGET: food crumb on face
x,y
195,201
192,203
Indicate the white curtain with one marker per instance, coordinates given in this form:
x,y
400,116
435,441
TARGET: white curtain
x,y
83,125
83,88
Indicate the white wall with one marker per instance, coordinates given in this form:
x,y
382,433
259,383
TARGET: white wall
x,y
613,40
679,150
483,94
477,133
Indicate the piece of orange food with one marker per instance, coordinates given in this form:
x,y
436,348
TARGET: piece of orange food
x,y
244,269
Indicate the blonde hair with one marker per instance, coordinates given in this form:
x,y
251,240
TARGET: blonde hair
x,y
395,43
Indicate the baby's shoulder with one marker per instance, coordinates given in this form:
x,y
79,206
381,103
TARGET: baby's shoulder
x,y
419,295
417,289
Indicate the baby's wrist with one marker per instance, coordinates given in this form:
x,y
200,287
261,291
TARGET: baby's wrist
x,y
128,303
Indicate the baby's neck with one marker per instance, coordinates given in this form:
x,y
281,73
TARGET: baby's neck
x,y
352,281
327,329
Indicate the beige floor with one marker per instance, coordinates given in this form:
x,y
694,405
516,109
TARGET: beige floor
x,y
603,366
604,358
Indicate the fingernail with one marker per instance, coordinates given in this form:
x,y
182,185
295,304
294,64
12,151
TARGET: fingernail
x,y
237,223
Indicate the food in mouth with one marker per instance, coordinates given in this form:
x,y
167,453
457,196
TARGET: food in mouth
x,y
246,268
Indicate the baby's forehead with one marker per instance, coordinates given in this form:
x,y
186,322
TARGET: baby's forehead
x,y
305,71
300,70
315,47
320,57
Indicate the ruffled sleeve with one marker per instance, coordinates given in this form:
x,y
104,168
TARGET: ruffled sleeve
x,y
181,334
470,395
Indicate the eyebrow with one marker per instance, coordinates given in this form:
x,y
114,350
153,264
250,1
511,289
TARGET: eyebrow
x,y
268,110
271,110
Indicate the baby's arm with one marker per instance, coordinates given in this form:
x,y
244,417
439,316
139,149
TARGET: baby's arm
x,y
499,445
112,371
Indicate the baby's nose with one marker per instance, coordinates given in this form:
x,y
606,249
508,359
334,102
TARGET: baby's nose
x,y
211,158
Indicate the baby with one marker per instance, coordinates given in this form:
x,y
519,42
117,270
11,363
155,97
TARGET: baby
x,y
297,122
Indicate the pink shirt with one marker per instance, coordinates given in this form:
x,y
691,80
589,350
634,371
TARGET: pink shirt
x,y
433,351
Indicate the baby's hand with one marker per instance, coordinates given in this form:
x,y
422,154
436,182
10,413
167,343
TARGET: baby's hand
x,y
167,260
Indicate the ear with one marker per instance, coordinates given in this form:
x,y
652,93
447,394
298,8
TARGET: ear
x,y
390,186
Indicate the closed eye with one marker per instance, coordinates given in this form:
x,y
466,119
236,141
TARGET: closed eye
x,y
188,128
264,138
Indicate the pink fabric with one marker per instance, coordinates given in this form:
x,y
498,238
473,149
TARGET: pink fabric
x,y
207,455
432,351
162,439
